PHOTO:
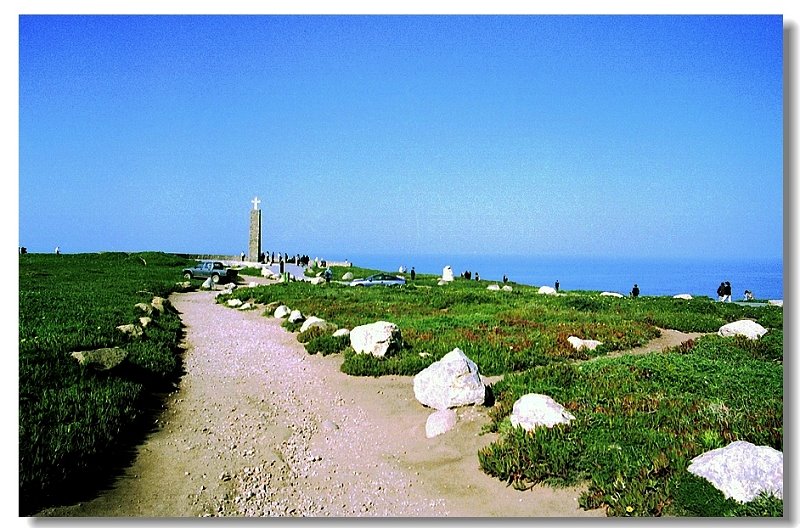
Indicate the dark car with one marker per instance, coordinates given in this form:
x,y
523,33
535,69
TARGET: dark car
x,y
379,279
211,268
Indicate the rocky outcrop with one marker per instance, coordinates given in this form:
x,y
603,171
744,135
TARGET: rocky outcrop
x,y
741,470
440,422
348,276
536,410
281,312
102,358
452,381
745,327
684,296
612,294
144,321
378,339
547,290
578,343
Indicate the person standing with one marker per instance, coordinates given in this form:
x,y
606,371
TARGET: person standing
x,y
58,250
557,285
241,255
505,279
727,292
721,292
635,291
413,273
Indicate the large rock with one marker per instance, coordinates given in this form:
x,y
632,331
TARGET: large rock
x,y
578,343
611,294
314,322
440,422
348,276
450,382
493,287
131,330
233,303
144,321
296,317
342,332
547,290
745,327
317,280
102,358
684,296
507,288
282,311
267,273
378,339
441,282
741,470
208,284
535,410
775,302
447,274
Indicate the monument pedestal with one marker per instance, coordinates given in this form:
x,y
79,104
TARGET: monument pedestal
x,y
254,245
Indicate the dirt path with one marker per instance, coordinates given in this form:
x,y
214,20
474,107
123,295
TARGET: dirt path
x,y
259,427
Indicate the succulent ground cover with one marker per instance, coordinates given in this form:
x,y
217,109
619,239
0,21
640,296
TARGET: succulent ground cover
x,y
639,419
75,422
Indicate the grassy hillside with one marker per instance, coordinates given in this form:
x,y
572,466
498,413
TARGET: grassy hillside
x,y
76,424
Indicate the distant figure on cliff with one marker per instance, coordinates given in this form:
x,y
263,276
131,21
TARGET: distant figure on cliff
x,y
58,250
328,274
557,285
505,279
413,273
748,295
635,291
477,277
727,292
467,275
241,255
721,291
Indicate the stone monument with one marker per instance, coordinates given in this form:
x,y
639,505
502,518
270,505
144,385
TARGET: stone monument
x,y
254,245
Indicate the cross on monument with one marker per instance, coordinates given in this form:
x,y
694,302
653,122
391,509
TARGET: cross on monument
x,y
255,201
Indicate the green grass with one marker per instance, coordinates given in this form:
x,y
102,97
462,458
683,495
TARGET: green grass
x,y
75,423
640,420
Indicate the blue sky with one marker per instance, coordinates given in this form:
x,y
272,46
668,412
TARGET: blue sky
x,y
552,135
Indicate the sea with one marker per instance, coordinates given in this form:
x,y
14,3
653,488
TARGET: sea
x,y
655,276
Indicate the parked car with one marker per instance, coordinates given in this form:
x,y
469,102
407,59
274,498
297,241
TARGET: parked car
x,y
379,279
211,268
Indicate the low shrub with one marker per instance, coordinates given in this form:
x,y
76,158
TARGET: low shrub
x,y
327,344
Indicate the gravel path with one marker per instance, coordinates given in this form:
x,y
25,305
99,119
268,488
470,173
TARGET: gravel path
x,y
260,428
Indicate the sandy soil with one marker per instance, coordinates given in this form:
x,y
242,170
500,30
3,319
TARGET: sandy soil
x,y
260,428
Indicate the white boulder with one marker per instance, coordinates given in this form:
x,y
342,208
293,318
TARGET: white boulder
x,y
144,307
131,330
578,343
296,317
493,287
252,284
441,283
447,274
440,422
684,296
547,290
741,470
342,332
745,327
282,311
378,339
208,284
507,288
267,273
102,358
317,280
450,382
246,306
348,276
534,410
612,294
776,302
233,303
314,322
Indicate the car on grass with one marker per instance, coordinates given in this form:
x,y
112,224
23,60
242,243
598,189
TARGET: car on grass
x,y
211,268
379,279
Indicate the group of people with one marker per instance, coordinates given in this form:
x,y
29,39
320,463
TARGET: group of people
x,y
468,275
